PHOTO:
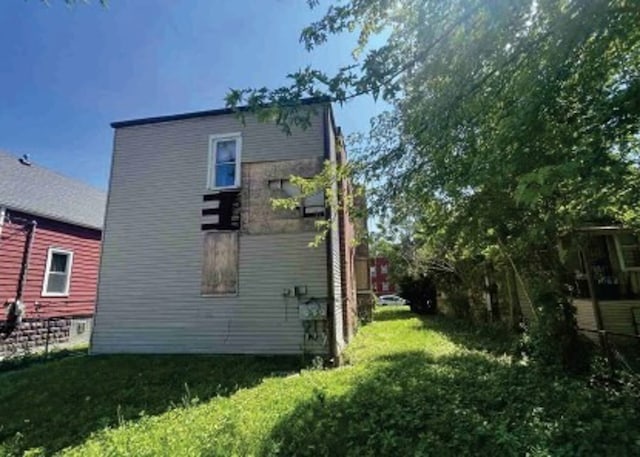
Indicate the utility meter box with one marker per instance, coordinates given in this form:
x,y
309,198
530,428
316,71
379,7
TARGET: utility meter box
x,y
312,311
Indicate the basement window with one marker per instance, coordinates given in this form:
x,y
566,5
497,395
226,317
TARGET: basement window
x,y
57,276
220,263
224,161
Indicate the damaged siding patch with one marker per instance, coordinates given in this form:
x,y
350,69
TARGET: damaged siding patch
x,y
264,181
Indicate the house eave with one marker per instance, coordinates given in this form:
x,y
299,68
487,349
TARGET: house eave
x,y
52,217
205,113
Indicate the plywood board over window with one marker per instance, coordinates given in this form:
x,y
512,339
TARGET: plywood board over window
x,y
220,263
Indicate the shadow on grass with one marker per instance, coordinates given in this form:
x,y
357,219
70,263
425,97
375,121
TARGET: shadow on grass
x,y
60,403
494,339
467,404
18,363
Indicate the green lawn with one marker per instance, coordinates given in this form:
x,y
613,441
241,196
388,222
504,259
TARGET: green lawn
x,y
412,387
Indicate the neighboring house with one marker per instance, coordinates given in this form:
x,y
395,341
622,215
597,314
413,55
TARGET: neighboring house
x,y
614,256
380,276
196,259
50,230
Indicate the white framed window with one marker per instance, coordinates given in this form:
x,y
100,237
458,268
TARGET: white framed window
x,y
628,247
372,271
385,286
224,161
57,274
385,268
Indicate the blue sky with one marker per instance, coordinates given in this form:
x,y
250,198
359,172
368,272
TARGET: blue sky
x,y
66,73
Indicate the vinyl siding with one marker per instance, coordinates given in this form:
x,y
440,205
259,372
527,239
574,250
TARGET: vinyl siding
x,y
336,281
617,317
153,303
149,292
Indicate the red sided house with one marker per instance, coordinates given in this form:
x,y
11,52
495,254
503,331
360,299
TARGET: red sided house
x,y
380,277
50,231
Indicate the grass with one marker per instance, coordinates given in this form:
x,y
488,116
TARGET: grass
x,y
413,386
59,403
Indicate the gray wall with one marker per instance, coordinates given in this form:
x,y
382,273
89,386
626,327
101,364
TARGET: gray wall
x,y
149,290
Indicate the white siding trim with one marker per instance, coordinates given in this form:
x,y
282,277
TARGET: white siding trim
x,y
45,283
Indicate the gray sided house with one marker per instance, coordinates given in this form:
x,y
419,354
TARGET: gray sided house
x,y
196,260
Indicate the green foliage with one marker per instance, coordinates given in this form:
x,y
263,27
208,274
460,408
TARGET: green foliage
x,y
413,386
553,340
420,292
511,123
328,182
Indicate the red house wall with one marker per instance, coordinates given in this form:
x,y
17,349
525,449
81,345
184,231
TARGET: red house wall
x,y
83,242
379,277
347,254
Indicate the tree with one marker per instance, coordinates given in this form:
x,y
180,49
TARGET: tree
x,y
512,122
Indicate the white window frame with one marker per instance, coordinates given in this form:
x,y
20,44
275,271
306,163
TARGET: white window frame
x,y
619,249
45,283
211,174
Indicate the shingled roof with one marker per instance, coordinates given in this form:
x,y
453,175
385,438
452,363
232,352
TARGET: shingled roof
x,y
35,190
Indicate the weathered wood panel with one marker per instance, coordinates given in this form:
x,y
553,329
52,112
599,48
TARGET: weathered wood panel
x,y
363,281
220,263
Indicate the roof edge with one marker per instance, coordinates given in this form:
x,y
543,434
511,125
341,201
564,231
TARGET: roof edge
x,y
213,112
53,217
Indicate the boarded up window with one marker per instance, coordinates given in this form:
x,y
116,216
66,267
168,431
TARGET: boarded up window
x,y
362,274
220,264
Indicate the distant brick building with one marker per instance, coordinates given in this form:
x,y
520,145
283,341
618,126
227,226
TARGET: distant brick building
x,y
380,276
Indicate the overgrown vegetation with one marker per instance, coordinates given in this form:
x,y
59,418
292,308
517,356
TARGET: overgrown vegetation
x,y
511,124
413,386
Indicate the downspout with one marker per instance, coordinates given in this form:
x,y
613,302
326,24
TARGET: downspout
x,y
15,310
3,212
331,318
24,268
